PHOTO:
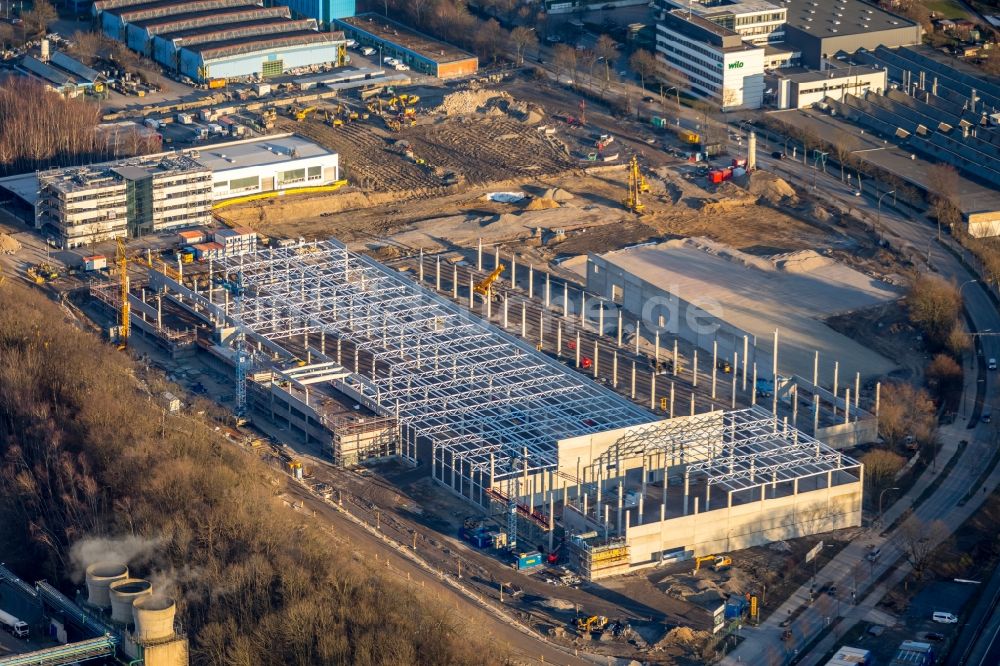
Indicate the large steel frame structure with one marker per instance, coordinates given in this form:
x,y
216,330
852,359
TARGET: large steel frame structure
x,y
735,450
491,406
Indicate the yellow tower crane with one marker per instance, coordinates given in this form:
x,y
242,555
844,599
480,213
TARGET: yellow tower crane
x,y
636,184
121,259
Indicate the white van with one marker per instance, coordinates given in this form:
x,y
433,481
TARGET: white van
x,y
944,618
367,51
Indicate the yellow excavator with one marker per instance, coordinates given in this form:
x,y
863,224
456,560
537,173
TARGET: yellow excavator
x,y
719,562
585,625
485,287
301,114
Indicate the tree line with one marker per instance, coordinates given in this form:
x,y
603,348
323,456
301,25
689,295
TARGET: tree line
x,y
85,451
40,129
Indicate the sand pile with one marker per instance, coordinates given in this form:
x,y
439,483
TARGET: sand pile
x,y
803,261
467,102
8,244
771,188
557,604
557,194
684,636
541,203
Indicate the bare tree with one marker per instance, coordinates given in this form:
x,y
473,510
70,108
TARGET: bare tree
x,y
918,539
523,38
606,49
881,466
644,64
906,410
587,59
563,59
488,39
36,21
944,375
843,145
934,305
942,185
673,78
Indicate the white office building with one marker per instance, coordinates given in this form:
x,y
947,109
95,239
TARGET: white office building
x,y
757,21
153,193
719,65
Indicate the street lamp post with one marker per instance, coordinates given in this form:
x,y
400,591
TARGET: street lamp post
x,y
878,214
880,495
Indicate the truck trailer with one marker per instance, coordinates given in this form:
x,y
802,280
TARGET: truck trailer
x,y
12,624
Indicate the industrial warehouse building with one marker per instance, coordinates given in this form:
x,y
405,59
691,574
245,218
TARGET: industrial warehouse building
x,y
819,29
504,426
141,195
220,39
416,50
799,89
715,295
324,11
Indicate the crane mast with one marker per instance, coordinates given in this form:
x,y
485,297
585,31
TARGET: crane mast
x,y
121,258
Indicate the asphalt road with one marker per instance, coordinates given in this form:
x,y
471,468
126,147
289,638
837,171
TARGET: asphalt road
x,y
764,644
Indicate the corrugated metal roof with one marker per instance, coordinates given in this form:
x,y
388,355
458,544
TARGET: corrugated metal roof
x,y
161,24
74,66
50,74
105,5
172,8
231,47
231,31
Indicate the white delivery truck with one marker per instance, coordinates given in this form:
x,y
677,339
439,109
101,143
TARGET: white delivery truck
x,y
14,625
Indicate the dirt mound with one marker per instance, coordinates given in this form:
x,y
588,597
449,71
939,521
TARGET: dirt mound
x,y
467,102
541,203
557,194
557,604
680,635
804,261
771,188
8,244
728,197
685,636
819,213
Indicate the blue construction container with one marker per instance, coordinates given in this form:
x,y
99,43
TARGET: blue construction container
x,y
529,560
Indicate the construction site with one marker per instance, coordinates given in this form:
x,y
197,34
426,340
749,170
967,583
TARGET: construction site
x,y
427,343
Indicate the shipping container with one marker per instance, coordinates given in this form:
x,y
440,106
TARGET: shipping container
x,y
216,83
529,560
95,262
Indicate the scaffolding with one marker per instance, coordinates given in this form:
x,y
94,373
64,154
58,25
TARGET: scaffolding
x,y
491,406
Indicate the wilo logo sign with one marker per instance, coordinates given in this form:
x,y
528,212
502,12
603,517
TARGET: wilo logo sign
x,y
736,64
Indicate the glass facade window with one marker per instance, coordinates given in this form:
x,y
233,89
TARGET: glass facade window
x,y
291,177
243,184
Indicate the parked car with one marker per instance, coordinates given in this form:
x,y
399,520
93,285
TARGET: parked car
x,y
933,636
992,364
367,51
778,155
986,417
648,98
944,618
873,554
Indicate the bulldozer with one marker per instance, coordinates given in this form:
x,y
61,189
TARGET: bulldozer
x,y
585,625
